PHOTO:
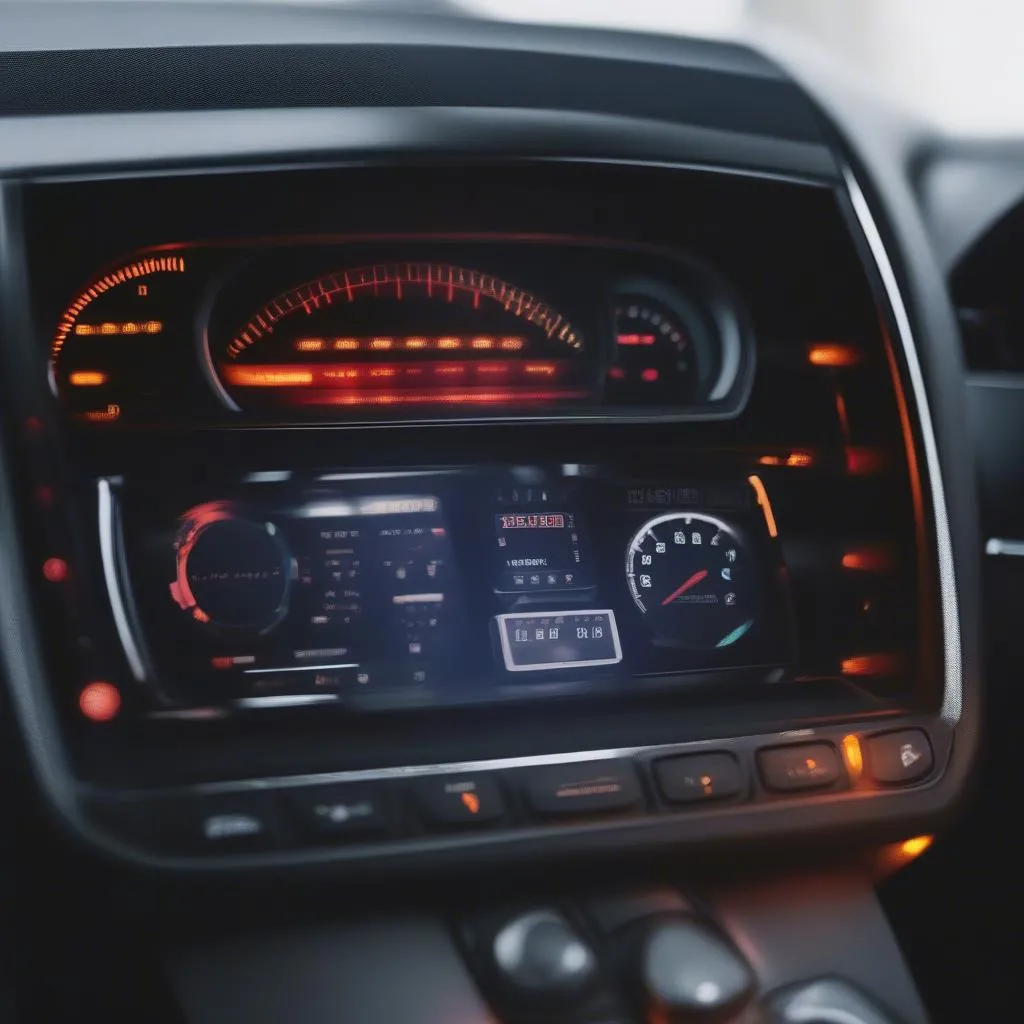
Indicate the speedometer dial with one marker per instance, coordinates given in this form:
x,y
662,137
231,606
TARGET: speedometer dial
x,y
402,334
693,581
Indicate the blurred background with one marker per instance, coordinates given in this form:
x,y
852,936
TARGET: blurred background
x,y
955,63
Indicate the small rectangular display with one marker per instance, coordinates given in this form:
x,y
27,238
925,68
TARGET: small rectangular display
x,y
544,641
538,550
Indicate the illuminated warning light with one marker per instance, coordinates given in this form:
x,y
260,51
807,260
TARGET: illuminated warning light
x,y
438,531
834,355
911,848
864,461
489,368
127,327
471,802
482,343
853,755
383,371
100,702
635,339
55,570
616,373
449,343
87,378
540,369
871,665
107,415
310,345
346,344
222,662
512,344
199,615
765,503
416,343
450,370
649,375
381,344
867,560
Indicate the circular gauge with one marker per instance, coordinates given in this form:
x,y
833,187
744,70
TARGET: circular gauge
x,y
691,578
232,574
670,348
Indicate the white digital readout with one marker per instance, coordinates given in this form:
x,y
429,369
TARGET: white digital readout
x,y
546,641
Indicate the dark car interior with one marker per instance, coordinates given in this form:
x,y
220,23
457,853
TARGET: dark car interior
x,y
499,524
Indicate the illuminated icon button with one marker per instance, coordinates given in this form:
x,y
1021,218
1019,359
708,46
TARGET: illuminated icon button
x,y
335,812
552,579
518,581
899,758
569,577
535,581
801,766
699,777
459,800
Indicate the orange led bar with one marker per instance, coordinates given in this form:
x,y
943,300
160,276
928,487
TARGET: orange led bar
x,y
853,755
867,560
127,327
871,665
765,503
455,396
833,355
793,460
385,343
349,375
87,378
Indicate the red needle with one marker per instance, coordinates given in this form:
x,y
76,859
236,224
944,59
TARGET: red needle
x,y
691,582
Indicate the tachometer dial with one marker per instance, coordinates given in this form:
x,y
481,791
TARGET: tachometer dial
x,y
693,581
673,346
402,334
111,336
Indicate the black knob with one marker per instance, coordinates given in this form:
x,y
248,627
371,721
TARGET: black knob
x,y
826,1001
688,973
539,954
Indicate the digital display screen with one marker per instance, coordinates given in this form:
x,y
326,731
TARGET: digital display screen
x,y
407,589
546,641
539,550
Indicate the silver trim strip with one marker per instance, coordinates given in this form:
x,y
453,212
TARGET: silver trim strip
x,y
952,700
1001,546
286,700
299,668
108,557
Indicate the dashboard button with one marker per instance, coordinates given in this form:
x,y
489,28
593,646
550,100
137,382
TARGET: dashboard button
x,y
219,824
802,766
337,812
698,778
899,758
595,787
459,800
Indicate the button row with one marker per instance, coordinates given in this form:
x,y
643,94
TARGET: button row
x,y
267,817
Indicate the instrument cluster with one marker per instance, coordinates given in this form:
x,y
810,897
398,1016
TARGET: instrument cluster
x,y
371,329
414,588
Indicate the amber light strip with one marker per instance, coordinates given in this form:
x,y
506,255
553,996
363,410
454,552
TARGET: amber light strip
x,y
127,327
87,378
834,355
414,343
355,375
765,503
460,396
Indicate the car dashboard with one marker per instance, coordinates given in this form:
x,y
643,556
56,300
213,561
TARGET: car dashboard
x,y
519,448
